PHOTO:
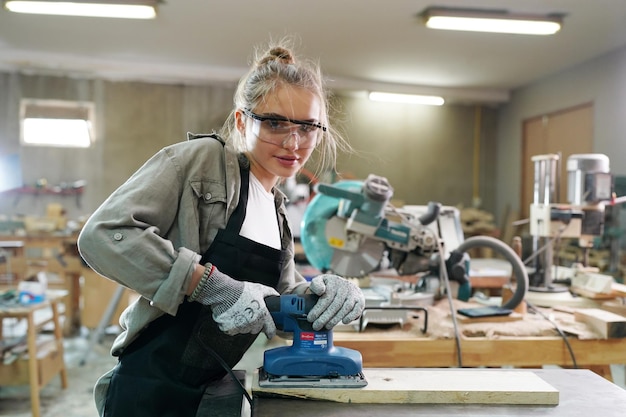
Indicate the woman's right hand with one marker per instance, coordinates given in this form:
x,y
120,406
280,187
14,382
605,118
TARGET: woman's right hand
x,y
249,313
238,306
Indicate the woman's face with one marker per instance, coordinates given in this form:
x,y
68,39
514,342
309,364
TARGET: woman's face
x,y
276,148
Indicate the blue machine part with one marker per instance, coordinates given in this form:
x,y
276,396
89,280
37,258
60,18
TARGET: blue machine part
x,y
362,201
313,229
312,352
300,360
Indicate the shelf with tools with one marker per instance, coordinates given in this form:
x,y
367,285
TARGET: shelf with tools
x,y
43,189
41,358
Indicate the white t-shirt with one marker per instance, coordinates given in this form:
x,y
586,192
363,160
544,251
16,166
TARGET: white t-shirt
x,y
261,222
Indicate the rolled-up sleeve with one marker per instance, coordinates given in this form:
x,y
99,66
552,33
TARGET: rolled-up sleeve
x,y
125,238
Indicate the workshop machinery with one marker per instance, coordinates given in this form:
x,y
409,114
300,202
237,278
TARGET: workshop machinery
x,y
311,360
350,228
589,191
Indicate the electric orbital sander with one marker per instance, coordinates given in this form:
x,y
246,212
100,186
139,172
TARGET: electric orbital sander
x,y
311,361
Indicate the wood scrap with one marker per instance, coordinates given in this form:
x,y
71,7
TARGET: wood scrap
x,y
619,290
614,307
564,309
593,295
590,284
607,324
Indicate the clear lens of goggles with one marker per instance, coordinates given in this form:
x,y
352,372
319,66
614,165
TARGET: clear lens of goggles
x,y
278,130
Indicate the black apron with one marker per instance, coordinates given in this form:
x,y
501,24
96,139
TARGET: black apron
x,y
166,370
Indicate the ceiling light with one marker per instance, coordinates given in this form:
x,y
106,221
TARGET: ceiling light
x,y
128,9
406,98
491,21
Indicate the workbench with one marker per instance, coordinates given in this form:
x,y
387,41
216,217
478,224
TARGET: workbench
x,y
56,254
407,346
42,360
582,393
13,247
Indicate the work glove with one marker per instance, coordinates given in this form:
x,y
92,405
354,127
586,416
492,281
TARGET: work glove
x,y
237,306
339,301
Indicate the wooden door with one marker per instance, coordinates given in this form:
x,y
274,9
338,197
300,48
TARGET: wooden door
x,y
565,132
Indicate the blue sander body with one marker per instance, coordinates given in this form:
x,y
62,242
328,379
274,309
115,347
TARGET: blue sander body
x,y
312,360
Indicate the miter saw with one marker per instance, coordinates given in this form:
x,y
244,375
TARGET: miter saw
x,y
351,229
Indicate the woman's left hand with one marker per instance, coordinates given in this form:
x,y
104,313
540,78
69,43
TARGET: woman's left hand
x,y
340,301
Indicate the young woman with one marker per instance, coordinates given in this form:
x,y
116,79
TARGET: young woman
x,y
200,232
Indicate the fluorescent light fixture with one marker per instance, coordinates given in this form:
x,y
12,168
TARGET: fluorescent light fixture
x,y
127,9
406,98
491,21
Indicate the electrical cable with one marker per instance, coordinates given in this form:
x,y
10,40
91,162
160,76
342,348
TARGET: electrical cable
x,y
227,368
549,242
558,329
538,251
545,246
444,274
518,269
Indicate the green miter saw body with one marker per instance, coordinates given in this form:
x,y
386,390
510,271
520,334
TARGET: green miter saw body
x,y
347,229
350,229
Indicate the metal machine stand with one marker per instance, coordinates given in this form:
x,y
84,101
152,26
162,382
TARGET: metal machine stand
x,y
589,188
545,193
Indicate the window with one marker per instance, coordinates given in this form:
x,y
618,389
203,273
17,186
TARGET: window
x,y
56,123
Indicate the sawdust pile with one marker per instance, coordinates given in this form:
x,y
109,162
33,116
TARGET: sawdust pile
x,y
440,324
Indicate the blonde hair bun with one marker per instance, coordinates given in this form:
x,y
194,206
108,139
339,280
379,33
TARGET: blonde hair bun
x,y
278,54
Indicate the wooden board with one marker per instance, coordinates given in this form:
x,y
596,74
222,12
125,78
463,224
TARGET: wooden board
x,y
430,386
619,290
606,323
591,294
614,307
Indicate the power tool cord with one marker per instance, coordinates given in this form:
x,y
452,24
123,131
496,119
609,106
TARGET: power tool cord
x,y
446,280
558,329
539,251
227,368
546,245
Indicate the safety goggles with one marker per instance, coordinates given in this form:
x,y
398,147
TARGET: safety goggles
x,y
277,130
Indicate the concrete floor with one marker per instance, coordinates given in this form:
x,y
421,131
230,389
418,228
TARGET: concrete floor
x,y
74,401
77,399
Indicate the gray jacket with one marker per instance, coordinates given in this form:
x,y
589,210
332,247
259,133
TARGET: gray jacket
x,y
149,234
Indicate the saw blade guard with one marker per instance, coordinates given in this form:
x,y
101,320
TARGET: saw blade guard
x,y
313,228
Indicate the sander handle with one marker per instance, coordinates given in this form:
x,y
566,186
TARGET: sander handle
x,y
289,311
291,303
273,303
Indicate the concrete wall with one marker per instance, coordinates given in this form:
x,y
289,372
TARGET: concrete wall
x,y
133,121
427,153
